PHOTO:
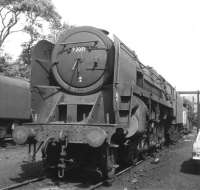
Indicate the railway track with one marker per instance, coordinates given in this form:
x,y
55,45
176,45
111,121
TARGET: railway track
x,y
117,174
5,147
8,143
17,185
42,178
91,187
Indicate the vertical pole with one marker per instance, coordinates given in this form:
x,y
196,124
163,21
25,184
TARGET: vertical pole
x,y
176,108
150,116
198,110
192,104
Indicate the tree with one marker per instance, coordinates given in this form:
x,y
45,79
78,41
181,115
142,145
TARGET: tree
x,y
32,12
10,68
4,60
56,31
28,16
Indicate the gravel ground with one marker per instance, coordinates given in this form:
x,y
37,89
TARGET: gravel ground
x,y
175,170
14,166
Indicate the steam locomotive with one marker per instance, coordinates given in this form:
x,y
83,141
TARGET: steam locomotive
x,y
96,106
15,105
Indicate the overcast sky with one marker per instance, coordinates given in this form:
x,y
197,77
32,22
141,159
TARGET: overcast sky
x,y
165,34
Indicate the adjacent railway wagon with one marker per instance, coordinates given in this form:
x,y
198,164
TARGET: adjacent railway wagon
x,y
96,105
14,103
188,115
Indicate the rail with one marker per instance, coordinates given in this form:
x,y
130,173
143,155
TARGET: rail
x,y
92,187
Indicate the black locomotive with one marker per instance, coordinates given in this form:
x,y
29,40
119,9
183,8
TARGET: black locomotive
x,y
96,105
15,105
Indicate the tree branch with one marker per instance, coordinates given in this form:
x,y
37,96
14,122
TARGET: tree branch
x,y
14,31
10,25
32,10
2,20
1,9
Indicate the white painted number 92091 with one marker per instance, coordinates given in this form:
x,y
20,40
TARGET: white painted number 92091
x,y
78,49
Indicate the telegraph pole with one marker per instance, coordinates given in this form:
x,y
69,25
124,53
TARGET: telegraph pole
x,y
198,107
198,110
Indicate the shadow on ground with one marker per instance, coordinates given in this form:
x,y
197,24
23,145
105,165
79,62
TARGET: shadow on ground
x,y
82,179
29,170
79,178
190,167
